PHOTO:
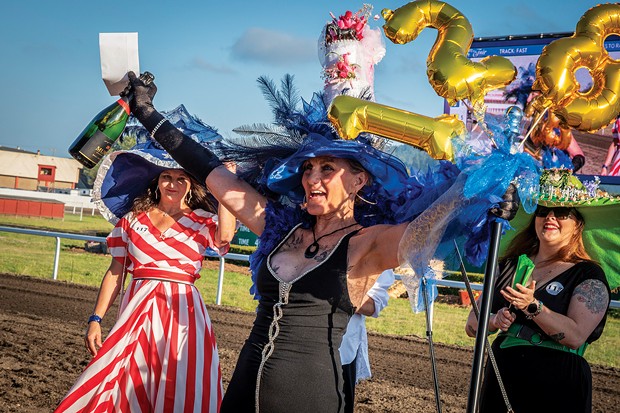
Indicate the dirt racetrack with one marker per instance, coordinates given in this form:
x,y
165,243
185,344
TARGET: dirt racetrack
x,y
42,353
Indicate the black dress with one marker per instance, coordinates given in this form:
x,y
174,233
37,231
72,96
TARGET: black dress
x,y
539,379
303,373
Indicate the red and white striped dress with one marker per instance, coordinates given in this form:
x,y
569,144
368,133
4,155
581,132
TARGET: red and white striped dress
x,y
614,165
161,354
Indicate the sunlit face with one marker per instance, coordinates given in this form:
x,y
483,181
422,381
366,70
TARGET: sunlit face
x,y
173,185
330,185
555,230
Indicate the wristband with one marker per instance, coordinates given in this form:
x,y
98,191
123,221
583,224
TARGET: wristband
x,y
604,166
94,318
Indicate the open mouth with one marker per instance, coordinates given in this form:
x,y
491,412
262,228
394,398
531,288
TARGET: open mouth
x,y
550,227
315,194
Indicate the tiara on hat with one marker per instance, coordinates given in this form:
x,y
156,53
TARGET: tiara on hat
x,y
559,187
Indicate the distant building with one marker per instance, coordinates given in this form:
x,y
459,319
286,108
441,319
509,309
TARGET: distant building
x,y
21,169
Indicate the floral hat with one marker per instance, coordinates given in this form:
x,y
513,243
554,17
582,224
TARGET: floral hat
x,y
600,211
348,51
124,175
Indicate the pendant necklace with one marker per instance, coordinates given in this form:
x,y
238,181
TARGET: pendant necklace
x,y
313,248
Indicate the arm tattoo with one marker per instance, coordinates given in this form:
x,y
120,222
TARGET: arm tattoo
x,y
472,330
593,294
557,337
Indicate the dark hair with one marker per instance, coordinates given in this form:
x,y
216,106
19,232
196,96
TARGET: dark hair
x,y
149,199
526,242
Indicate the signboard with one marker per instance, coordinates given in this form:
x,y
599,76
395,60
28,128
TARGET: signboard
x,y
245,237
523,52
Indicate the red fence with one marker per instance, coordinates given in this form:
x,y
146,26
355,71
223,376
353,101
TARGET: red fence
x,y
31,207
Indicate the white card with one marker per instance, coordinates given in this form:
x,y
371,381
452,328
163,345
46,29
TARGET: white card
x,y
119,55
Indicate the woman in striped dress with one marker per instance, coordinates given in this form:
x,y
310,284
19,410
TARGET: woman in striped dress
x,y
161,355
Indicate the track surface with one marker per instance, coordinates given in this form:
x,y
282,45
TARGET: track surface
x,y
41,355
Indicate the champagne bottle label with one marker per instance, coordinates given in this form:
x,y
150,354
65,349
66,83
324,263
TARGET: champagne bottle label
x,y
96,147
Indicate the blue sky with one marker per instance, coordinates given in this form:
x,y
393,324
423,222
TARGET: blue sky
x,y
208,55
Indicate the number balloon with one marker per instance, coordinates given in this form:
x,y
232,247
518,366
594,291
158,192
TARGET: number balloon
x,y
556,67
452,75
351,116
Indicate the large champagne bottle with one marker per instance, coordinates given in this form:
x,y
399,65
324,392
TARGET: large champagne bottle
x,y
105,128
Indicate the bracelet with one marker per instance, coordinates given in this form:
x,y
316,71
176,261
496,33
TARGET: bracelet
x,y
161,122
604,166
94,318
535,313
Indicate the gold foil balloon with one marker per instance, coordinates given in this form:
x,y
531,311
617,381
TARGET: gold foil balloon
x,y
352,116
452,75
556,67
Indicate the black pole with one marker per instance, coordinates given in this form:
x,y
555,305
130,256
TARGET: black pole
x,y
488,286
429,335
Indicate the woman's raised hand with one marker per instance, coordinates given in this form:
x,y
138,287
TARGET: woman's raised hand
x,y
509,206
142,103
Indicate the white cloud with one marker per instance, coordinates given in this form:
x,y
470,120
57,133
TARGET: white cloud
x,y
274,48
204,65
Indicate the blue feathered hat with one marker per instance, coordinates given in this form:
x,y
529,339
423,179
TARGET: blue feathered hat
x,y
270,156
388,172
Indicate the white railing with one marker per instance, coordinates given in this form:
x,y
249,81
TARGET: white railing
x,y
212,254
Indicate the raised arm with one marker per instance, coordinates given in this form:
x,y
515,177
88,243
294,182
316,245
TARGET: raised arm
x,y
236,195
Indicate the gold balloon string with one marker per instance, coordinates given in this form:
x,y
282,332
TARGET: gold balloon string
x,y
529,132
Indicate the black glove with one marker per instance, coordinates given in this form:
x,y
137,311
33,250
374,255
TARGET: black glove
x,y
141,103
578,162
192,156
509,206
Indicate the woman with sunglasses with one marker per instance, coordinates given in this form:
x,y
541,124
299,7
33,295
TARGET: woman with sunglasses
x,y
550,301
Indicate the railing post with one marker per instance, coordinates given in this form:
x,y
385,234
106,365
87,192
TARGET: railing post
x,y
56,259
220,282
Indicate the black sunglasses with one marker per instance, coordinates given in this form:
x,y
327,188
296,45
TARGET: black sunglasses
x,y
558,212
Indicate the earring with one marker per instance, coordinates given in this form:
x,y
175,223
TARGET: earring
x,y
365,200
304,203
188,197
157,194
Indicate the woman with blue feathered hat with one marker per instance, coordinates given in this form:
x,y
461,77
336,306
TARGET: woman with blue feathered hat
x,y
161,354
316,259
